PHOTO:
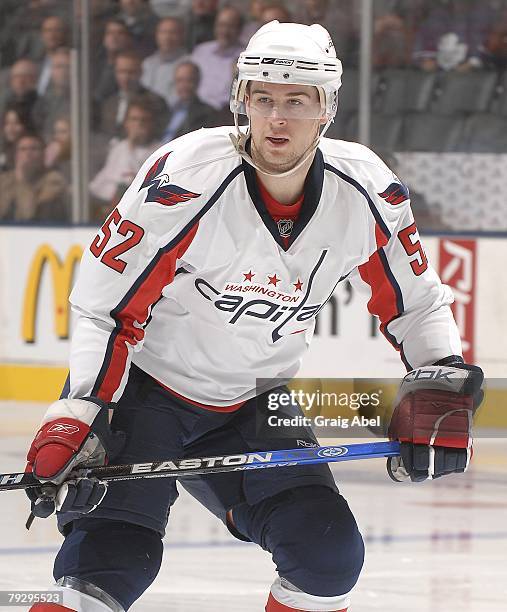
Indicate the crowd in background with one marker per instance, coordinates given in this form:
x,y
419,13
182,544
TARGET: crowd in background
x,y
162,68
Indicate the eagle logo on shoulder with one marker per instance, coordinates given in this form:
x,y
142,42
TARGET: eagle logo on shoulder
x,y
395,194
160,188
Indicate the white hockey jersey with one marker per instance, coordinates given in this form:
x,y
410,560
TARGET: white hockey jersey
x,y
189,279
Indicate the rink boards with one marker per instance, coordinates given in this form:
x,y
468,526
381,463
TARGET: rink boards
x,y
38,267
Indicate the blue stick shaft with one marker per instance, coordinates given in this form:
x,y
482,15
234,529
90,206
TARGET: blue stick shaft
x,y
227,463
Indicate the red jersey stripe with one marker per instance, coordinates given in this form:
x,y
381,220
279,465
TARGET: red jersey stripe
x,y
136,312
383,301
380,238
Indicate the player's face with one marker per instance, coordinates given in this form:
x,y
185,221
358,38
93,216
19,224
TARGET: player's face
x,y
284,122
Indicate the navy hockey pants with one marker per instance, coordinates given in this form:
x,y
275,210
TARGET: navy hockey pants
x,y
294,513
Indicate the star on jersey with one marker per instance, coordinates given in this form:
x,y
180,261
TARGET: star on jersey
x,y
273,280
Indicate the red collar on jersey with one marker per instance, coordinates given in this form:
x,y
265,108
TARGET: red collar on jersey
x,y
276,208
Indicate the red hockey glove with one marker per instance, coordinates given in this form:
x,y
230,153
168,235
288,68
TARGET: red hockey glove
x,y
433,421
74,432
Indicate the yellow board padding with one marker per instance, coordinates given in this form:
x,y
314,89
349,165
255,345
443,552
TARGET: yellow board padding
x,y
31,383
35,383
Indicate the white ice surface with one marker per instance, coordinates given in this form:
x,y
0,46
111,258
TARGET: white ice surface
x,y
432,547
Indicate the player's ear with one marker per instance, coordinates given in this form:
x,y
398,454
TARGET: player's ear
x,y
323,120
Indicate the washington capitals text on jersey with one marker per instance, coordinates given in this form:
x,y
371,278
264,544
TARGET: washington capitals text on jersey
x,y
159,188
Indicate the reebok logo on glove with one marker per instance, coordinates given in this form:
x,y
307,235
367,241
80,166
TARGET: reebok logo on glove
x,y
63,428
432,374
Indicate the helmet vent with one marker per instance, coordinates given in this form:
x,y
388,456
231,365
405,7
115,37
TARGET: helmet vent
x,y
306,67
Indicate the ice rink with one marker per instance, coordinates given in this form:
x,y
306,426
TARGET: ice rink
x,y
432,547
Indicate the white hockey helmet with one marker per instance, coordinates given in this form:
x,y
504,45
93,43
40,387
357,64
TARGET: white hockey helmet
x,y
290,53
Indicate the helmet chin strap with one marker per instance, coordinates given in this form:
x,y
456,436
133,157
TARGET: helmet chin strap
x,y
240,139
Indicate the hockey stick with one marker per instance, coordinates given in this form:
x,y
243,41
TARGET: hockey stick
x,y
212,465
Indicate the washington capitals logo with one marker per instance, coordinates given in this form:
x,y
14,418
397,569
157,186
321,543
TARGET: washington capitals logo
x,y
395,194
160,189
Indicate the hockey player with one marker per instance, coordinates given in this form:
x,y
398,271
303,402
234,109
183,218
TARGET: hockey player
x,y
206,278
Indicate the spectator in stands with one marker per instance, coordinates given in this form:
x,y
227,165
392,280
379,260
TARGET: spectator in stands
x,y
127,74
141,21
170,8
10,17
255,20
53,35
57,154
453,35
201,22
16,121
495,52
21,28
117,39
101,11
217,57
29,192
411,12
280,13
188,113
126,157
22,86
339,18
56,101
391,42
158,69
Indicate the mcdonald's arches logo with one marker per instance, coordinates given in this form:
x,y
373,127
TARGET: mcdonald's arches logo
x,y
61,276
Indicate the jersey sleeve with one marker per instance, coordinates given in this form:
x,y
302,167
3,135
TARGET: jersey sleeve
x,y
403,289
123,273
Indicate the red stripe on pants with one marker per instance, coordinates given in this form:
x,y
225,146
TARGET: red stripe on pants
x,y
50,607
276,606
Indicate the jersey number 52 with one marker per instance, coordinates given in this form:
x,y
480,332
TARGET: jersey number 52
x,y
126,228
